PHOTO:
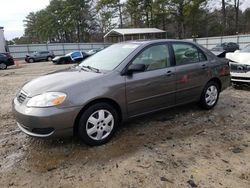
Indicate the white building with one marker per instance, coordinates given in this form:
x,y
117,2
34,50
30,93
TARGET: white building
x,y
2,40
124,34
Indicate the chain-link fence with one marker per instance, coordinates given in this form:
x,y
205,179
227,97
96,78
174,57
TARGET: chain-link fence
x,y
211,42
19,51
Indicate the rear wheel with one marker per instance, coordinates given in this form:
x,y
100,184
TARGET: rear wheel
x,y
49,59
210,95
3,66
31,60
97,124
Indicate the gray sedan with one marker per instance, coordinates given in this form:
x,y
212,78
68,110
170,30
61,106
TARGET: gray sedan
x,y
123,81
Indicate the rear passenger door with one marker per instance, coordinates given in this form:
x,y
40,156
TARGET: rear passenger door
x,y
191,71
43,55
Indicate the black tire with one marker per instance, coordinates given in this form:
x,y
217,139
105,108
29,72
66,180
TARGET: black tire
x,y
83,125
31,60
203,103
3,66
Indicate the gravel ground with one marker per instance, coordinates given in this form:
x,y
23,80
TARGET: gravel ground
x,y
180,147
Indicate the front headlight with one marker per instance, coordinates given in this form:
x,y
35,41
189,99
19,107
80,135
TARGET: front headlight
x,y
47,99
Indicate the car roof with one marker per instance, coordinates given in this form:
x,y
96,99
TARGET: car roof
x,y
155,41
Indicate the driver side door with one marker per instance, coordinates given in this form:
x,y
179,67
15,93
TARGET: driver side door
x,y
154,88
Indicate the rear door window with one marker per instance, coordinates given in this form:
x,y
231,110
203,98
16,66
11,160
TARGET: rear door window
x,y
187,53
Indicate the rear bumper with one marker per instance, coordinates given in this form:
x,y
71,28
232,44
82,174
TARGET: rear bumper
x,y
225,82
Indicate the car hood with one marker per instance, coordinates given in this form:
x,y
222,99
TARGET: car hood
x,y
243,58
60,81
56,58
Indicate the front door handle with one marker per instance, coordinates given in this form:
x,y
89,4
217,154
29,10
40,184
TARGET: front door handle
x,y
204,66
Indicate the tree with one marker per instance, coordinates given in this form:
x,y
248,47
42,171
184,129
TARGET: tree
x,y
62,21
134,7
89,20
246,21
236,8
223,9
114,7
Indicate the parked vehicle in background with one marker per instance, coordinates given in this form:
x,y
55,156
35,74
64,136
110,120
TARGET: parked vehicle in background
x,y
121,82
94,51
6,60
240,66
39,56
72,57
221,49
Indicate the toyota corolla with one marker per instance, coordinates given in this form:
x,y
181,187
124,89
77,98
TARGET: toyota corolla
x,y
123,81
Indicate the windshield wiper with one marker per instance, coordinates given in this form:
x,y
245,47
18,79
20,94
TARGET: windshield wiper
x,y
91,68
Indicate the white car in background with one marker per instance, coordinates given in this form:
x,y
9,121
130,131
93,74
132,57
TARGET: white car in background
x,y
240,66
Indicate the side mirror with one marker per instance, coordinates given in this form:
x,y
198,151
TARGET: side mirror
x,y
136,68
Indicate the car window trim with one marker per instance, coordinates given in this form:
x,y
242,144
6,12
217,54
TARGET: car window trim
x,y
188,43
123,72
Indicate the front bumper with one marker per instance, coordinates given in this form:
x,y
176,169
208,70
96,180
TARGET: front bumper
x,y
10,62
30,133
240,77
45,122
240,73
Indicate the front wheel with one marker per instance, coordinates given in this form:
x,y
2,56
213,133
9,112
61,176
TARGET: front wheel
x,y
97,124
3,66
210,95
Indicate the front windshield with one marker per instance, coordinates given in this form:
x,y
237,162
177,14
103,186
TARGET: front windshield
x,y
246,49
110,57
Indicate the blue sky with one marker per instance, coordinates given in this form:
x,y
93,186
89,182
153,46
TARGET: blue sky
x,y
13,12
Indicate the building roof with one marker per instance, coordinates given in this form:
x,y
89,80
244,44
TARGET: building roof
x,y
131,31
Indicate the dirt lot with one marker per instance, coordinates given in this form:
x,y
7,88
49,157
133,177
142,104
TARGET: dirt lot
x,y
181,147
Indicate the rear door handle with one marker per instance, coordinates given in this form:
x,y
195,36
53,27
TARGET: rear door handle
x,y
169,73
